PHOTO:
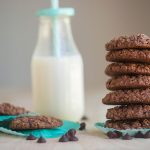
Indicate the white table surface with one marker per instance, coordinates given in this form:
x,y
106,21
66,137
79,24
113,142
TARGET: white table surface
x,y
91,139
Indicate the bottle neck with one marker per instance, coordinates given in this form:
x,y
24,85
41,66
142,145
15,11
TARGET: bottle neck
x,y
55,36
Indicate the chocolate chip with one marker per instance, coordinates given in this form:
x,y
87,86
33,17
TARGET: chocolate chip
x,y
73,138
84,118
41,140
139,134
31,137
147,135
64,138
119,134
71,132
127,137
82,126
112,135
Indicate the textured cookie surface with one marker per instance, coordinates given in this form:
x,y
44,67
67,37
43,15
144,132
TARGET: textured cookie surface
x,y
133,41
128,82
9,109
126,97
116,69
128,124
129,55
35,122
128,112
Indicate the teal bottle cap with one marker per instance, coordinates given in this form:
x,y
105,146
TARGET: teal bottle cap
x,y
56,10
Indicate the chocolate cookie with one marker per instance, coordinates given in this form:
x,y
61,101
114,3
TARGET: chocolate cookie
x,y
35,122
126,97
128,112
9,109
133,41
129,55
116,69
128,82
128,124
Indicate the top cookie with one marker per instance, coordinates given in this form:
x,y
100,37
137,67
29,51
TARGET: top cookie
x,y
35,122
126,42
9,109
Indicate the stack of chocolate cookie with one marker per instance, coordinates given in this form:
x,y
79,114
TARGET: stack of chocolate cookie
x,y
130,82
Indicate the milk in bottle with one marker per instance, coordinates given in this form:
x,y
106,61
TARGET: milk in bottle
x,y
57,68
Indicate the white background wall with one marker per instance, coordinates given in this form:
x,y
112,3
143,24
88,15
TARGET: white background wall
x,y
95,23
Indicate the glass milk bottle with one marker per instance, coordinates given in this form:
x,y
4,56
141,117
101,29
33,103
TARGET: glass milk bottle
x,y
57,67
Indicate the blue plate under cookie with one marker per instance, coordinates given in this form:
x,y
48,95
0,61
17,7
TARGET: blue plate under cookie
x,y
47,133
102,128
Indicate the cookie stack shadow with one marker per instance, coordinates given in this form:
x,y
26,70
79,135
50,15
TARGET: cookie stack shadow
x,y
130,82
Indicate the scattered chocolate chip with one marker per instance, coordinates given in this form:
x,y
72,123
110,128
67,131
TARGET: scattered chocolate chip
x,y
71,132
112,135
127,137
41,140
31,137
119,134
82,126
73,138
64,138
139,134
147,135
84,118
69,136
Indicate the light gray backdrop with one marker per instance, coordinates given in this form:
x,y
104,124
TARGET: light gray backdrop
x,y
96,22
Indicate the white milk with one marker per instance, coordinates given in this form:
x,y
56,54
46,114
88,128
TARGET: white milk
x,y
58,86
